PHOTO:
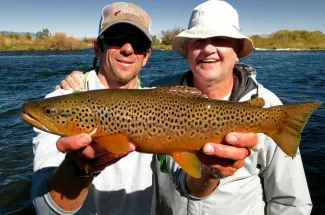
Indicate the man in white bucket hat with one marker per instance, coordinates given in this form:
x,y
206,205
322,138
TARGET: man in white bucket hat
x,y
270,182
213,19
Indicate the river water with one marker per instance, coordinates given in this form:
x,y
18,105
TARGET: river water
x,y
30,75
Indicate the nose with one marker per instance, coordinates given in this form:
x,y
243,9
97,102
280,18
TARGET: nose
x,y
209,47
127,49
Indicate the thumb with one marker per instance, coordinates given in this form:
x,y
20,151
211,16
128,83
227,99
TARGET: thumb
x,y
65,144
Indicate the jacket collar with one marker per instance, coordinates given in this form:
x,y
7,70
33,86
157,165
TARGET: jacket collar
x,y
242,85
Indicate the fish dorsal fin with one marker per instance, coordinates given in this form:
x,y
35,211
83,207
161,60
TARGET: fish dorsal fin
x,y
117,143
188,162
258,102
184,91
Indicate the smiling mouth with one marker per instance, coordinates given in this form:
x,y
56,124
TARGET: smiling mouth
x,y
209,61
124,62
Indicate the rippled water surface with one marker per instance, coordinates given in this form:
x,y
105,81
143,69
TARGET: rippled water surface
x,y
30,75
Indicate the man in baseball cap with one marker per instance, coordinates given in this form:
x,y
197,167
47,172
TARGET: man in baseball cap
x,y
61,185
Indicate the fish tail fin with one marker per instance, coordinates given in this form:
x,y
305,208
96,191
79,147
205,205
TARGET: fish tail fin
x,y
291,124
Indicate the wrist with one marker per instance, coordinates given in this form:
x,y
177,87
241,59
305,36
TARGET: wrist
x,y
201,187
66,190
210,173
81,172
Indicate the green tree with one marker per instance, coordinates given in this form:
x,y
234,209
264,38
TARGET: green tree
x,y
13,36
155,40
40,35
168,35
28,36
46,32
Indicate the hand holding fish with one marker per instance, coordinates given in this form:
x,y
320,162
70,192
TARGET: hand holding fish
x,y
219,161
86,154
227,159
74,81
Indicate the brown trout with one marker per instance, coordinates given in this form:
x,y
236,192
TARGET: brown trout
x,y
168,120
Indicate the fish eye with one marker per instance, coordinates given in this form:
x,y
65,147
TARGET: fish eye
x,y
49,111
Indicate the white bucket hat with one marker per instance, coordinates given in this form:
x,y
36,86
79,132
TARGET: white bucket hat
x,y
213,18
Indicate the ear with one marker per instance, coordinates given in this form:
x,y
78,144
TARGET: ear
x,y
96,47
146,57
237,60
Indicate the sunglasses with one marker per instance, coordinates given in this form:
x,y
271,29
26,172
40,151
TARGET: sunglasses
x,y
139,44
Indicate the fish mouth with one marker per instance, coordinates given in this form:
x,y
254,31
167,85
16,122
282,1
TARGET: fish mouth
x,y
30,118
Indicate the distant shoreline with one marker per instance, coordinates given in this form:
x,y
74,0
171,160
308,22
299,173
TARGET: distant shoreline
x,y
287,49
167,49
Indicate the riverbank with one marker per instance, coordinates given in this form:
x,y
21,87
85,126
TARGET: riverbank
x,y
287,49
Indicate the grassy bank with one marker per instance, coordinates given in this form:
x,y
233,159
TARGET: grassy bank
x,y
58,41
295,40
162,47
283,39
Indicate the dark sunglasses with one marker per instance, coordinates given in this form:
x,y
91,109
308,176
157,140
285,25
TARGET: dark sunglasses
x,y
139,45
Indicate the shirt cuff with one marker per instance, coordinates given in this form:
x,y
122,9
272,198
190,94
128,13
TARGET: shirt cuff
x,y
51,203
184,190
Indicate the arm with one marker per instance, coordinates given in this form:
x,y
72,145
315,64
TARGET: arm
x,y
284,181
67,190
285,186
55,185
225,160
219,161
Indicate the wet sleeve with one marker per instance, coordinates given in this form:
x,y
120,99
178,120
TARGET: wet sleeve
x,y
285,185
46,159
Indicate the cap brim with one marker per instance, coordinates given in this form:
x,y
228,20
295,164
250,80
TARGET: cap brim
x,y
140,27
180,40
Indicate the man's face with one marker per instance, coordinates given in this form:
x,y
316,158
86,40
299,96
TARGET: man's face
x,y
126,51
212,59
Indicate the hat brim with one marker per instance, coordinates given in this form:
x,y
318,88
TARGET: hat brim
x,y
224,31
140,27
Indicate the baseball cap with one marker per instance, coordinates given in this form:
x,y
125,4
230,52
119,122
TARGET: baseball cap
x,y
123,12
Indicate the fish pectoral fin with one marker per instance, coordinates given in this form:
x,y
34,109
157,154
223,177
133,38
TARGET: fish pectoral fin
x,y
117,143
258,102
184,91
188,162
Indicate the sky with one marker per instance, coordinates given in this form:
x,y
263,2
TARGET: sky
x,y
80,18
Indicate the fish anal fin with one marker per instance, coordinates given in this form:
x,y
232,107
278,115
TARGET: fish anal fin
x,y
184,91
188,162
117,143
258,102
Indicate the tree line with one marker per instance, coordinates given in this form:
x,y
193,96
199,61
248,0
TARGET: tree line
x,y
44,40
299,39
